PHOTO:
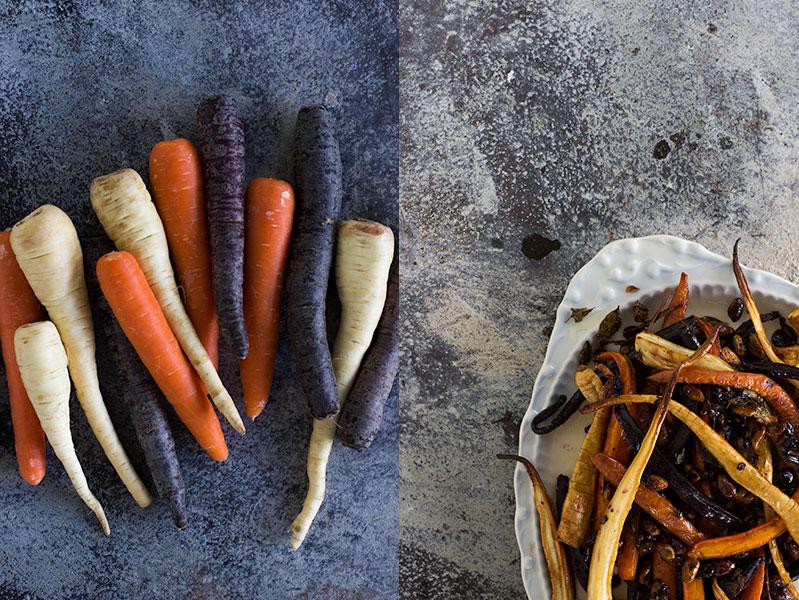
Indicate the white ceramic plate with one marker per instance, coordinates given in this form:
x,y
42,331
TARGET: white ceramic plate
x,y
652,264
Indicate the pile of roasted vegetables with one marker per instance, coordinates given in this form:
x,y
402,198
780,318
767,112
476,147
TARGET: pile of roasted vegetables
x,y
686,482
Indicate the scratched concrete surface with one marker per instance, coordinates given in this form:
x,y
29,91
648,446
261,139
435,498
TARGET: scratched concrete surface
x,y
87,87
532,133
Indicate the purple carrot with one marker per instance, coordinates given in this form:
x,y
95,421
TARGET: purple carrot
x,y
222,142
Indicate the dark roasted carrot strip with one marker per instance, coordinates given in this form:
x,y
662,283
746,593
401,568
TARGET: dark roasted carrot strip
x,y
627,562
707,329
755,588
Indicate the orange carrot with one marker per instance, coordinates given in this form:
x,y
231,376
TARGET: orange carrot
x,y
270,211
19,306
679,303
139,314
178,193
755,588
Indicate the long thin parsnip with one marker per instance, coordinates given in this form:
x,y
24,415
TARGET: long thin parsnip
x,y
131,220
43,366
48,251
363,259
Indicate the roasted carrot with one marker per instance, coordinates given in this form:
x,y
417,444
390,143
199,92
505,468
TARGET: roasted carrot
x,y
664,569
693,589
651,502
616,446
755,588
19,306
139,314
777,398
678,305
270,212
707,329
627,563
177,179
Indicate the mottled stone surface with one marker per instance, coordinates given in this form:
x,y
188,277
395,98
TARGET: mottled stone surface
x,y
88,87
528,122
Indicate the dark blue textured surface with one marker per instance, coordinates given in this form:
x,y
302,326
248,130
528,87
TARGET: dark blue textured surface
x,y
89,87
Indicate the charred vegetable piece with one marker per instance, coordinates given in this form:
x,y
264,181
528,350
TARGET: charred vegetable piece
x,y
559,573
679,483
779,400
557,413
651,502
771,369
793,320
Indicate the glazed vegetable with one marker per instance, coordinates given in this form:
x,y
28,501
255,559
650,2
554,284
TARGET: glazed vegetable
x,y
270,211
664,571
562,586
364,254
144,400
362,413
19,306
609,534
123,206
222,143
651,502
754,590
718,593
661,354
793,319
48,251
675,312
317,174
778,399
627,563
43,368
136,308
679,484
607,540
693,589
575,522
728,457
177,179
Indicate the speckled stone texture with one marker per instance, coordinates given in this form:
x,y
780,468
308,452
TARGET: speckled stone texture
x,y
529,122
88,87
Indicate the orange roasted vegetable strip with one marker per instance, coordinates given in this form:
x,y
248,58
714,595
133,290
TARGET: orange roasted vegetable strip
x,y
139,314
754,590
627,563
707,329
679,303
664,570
177,179
652,503
270,211
777,398
693,589
19,306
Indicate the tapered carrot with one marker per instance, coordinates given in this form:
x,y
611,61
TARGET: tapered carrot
x,y
678,304
139,314
18,306
177,179
270,211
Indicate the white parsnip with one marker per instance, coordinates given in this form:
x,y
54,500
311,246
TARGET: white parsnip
x,y
130,219
363,258
43,367
48,251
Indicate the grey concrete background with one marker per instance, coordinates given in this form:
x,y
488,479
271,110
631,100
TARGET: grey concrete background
x,y
87,87
579,122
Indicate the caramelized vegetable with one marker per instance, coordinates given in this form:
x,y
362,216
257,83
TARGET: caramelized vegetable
x,y
560,578
678,305
777,398
652,503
